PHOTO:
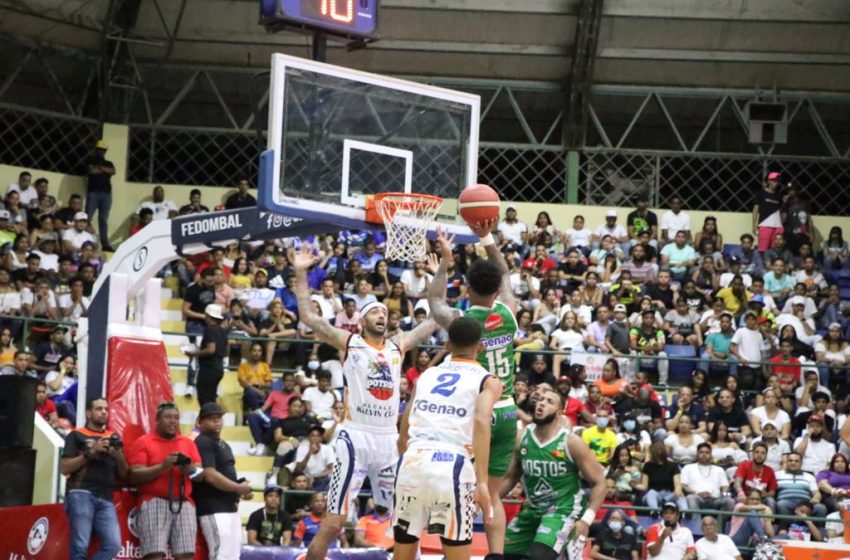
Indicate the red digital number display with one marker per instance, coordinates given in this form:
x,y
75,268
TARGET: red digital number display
x,y
340,12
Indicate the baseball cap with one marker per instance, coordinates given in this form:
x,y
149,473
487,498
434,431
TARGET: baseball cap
x,y
670,505
768,423
815,418
5,215
762,320
214,311
280,251
210,409
757,298
643,231
798,300
734,259
620,307
773,176
511,206
564,378
273,488
529,264
81,216
262,271
539,357
611,214
62,328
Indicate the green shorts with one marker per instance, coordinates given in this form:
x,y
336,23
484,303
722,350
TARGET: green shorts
x,y
549,528
502,438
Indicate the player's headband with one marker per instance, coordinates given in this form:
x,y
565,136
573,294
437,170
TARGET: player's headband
x,y
370,306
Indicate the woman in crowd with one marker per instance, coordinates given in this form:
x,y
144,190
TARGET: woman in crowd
x,y
799,348
241,277
625,470
699,387
280,325
724,452
591,292
834,249
578,236
682,445
708,250
833,352
834,482
709,231
608,269
645,304
660,480
568,337
549,310
7,347
397,301
20,250
770,412
381,280
706,277
744,529
611,386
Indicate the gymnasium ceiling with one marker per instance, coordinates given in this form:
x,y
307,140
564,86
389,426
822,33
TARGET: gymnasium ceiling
x,y
789,45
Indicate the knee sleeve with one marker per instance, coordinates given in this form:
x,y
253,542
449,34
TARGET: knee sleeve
x,y
540,551
401,537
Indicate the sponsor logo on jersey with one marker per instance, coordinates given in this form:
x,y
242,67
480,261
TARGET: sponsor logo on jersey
x,y
434,408
493,322
559,454
537,467
442,457
379,380
497,341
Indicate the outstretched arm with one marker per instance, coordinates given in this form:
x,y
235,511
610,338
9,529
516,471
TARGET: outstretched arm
x,y
324,331
592,472
411,339
484,231
441,312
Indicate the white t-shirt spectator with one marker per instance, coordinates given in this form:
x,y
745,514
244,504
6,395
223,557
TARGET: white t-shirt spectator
x,y
749,343
721,549
681,453
704,478
10,301
579,237
679,543
617,232
569,339
49,261
257,298
76,238
161,210
779,421
817,455
809,309
28,297
584,313
675,222
337,382
79,308
329,306
788,319
414,284
775,451
726,279
321,404
521,287
66,384
26,196
318,464
513,232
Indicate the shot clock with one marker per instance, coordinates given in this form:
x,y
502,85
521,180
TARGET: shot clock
x,y
348,18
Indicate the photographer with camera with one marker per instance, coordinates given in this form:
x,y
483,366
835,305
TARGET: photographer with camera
x,y
92,457
163,464
217,497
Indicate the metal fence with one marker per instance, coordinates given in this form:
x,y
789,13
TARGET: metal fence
x,y
33,139
717,182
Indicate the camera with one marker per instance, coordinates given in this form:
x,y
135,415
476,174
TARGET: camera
x,y
115,442
182,460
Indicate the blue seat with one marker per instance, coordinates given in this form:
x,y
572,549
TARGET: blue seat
x,y
844,294
680,370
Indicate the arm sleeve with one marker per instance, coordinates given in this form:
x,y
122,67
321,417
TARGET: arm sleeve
x,y
206,452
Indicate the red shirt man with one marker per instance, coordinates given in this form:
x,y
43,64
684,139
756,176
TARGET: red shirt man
x,y
755,475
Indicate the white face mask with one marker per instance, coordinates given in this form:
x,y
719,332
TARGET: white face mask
x,y
615,526
313,364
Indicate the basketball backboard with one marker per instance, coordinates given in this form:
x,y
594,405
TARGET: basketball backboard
x,y
337,135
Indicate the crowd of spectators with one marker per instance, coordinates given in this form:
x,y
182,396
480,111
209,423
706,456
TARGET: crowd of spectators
x,y
756,426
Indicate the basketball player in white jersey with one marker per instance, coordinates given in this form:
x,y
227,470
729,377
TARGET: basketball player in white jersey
x,y
367,444
437,487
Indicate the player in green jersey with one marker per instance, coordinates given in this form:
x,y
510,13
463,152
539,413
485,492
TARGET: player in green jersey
x,y
550,462
492,304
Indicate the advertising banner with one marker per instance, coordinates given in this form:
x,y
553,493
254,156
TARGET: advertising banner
x,y
34,533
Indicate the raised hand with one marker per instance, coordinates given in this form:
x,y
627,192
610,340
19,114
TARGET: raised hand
x,y
302,259
445,244
485,227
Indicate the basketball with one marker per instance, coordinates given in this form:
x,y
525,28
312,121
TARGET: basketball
x,y
478,203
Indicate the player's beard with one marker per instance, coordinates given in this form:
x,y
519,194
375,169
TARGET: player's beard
x,y
546,420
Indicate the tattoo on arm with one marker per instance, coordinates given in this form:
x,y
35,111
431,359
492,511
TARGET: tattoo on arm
x,y
322,329
441,312
417,336
506,295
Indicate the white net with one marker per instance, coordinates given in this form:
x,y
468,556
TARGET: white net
x,y
406,218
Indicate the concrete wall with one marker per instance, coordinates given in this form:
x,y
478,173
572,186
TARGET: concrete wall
x,y
128,195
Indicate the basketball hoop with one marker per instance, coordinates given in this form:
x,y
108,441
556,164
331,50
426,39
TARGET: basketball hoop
x,y
406,217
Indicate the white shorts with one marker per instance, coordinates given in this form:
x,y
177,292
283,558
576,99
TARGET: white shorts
x,y
435,490
360,454
223,533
